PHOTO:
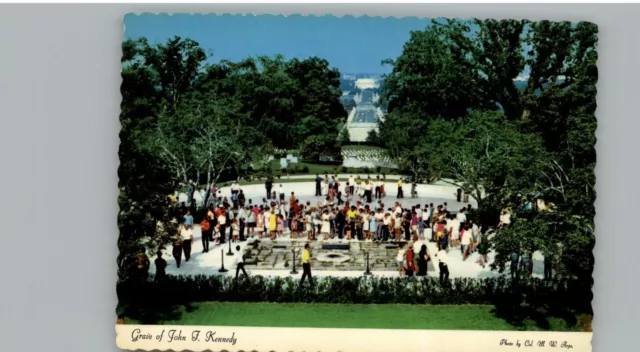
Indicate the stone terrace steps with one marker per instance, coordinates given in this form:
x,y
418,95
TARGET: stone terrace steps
x,y
280,254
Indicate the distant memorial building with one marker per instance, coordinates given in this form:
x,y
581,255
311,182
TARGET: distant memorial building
x,y
367,83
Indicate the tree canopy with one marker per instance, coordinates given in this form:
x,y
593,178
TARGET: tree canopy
x,y
453,92
187,120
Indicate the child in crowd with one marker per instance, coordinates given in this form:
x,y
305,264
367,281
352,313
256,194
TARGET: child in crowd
x,y
280,225
235,227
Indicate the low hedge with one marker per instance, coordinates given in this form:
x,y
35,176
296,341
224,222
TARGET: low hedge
x,y
567,293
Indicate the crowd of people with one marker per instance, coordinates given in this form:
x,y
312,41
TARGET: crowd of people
x,y
343,211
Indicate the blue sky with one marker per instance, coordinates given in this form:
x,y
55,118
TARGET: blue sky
x,y
353,45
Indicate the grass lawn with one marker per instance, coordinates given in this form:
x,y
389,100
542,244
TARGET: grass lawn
x,y
361,147
325,169
387,316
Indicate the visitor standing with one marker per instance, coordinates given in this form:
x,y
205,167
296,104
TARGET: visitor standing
x,y
385,227
242,199
483,248
251,221
222,223
423,257
280,225
406,225
242,219
177,246
306,265
186,235
281,193
318,185
161,266
188,218
379,219
443,265
268,184
340,223
400,193
205,234
400,260
377,189
411,264
351,184
240,262
273,224
373,229
235,229
465,241
366,224
326,227
260,224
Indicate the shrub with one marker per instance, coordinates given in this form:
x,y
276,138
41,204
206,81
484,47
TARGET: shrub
x,y
305,169
344,169
503,292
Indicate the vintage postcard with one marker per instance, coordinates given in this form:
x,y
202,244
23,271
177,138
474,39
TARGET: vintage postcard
x,y
320,183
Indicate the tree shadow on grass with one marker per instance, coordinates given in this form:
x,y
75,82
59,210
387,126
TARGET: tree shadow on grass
x,y
153,312
519,315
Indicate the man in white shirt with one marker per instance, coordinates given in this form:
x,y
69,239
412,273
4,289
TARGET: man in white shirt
x,y
281,193
398,209
443,265
462,218
385,229
425,222
239,262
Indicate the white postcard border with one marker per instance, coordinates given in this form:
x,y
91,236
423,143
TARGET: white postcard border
x,y
228,338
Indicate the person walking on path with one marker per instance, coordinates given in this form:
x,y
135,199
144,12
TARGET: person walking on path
x,y
177,248
186,234
400,193
483,248
306,265
240,263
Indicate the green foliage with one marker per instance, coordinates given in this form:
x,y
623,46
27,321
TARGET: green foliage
x,y
187,122
456,114
373,138
502,292
325,147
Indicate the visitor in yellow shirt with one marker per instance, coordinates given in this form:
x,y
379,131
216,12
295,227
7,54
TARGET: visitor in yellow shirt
x,y
400,195
273,224
306,265
352,213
